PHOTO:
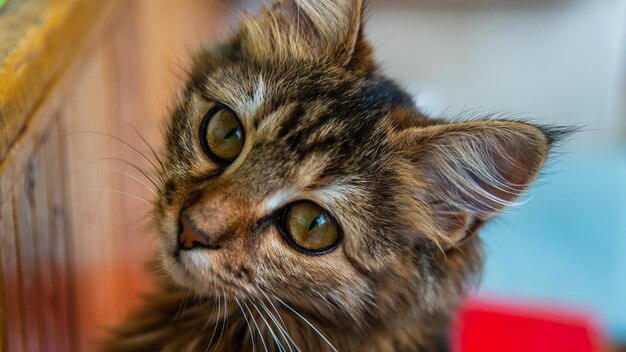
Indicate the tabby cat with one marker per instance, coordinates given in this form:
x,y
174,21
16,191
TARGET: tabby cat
x,y
307,205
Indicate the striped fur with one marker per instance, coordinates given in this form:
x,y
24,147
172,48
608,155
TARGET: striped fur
x,y
324,124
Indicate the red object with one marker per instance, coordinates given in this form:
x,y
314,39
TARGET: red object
x,y
485,326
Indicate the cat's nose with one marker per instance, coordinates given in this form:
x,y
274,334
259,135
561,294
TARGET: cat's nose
x,y
191,236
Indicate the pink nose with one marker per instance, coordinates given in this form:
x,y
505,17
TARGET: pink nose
x,y
191,237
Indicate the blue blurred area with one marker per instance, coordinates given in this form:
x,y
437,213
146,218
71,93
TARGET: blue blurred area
x,y
567,244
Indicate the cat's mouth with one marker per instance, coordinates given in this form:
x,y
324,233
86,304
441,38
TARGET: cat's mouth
x,y
186,260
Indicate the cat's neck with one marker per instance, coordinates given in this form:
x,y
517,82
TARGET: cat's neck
x,y
172,320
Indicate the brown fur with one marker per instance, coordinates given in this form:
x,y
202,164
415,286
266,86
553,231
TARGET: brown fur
x,y
323,124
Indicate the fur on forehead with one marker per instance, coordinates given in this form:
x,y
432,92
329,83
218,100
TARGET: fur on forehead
x,y
244,91
304,30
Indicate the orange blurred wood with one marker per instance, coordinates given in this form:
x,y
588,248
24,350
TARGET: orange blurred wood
x,y
74,237
38,39
12,328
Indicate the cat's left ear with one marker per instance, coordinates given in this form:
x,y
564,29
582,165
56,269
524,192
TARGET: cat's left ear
x,y
468,172
309,29
335,25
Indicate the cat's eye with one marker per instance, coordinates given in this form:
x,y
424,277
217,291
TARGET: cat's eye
x,y
310,228
222,135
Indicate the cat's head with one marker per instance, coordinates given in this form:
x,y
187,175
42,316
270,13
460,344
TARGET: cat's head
x,y
296,169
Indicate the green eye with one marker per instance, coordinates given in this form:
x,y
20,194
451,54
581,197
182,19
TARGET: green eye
x,y
222,135
310,228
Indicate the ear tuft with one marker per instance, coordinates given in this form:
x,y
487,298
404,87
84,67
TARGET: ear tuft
x,y
557,134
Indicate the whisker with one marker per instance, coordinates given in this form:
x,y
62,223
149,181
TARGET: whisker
x,y
183,306
306,321
284,325
280,346
156,155
133,177
247,323
114,191
277,324
121,141
272,304
225,320
256,325
131,165
209,320
219,310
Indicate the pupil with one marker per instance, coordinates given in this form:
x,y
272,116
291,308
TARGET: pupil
x,y
317,221
234,132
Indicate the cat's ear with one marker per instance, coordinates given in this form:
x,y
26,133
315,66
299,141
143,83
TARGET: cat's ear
x,y
336,25
305,29
468,172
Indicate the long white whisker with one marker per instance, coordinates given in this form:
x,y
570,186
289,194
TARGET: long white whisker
x,y
123,142
248,323
113,191
156,155
182,307
256,325
280,346
306,321
284,326
216,321
133,177
209,320
225,320
277,324
143,172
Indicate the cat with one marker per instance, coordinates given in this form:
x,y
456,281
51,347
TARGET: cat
x,y
306,204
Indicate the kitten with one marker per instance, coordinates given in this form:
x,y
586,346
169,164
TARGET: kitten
x,y
307,205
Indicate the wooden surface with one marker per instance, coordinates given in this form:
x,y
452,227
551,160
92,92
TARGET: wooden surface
x,y
37,40
36,262
39,55
78,77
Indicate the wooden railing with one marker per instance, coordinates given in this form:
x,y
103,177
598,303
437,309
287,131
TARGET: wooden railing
x,y
76,77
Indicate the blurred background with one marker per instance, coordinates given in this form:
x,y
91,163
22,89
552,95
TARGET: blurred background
x,y
74,226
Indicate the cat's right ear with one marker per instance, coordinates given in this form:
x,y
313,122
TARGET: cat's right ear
x,y
463,174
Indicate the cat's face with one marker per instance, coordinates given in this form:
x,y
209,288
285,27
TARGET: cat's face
x,y
296,169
